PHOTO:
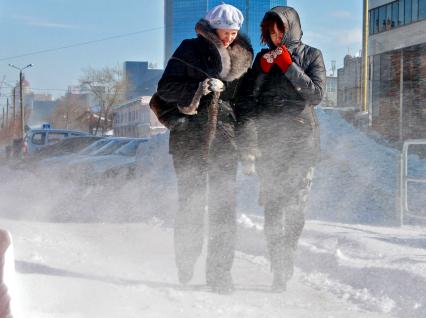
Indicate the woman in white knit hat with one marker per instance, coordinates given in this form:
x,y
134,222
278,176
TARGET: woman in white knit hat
x,y
195,100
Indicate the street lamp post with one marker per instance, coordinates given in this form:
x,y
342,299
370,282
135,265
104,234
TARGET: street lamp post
x,y
20,69
364,73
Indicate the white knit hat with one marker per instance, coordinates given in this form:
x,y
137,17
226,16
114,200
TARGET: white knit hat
x,y
225,16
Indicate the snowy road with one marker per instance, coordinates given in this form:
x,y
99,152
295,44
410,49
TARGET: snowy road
x,y
127,270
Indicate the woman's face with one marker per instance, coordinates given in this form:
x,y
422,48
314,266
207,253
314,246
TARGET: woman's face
x,y
227,36
276,35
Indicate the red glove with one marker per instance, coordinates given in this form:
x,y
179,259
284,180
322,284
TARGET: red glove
x,y
267,61
283,59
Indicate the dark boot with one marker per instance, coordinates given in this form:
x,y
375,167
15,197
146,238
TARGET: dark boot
x,y
282,265
288,263
185,274
279,283
221,284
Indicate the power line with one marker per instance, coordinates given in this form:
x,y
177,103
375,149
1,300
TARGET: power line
x,y
80,44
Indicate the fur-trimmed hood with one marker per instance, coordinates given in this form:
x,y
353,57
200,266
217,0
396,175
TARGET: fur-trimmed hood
x,y
236,59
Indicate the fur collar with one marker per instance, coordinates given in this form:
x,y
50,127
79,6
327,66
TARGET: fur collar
x,y
236,59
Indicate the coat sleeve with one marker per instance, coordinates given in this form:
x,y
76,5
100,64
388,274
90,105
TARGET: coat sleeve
x,y
310,84
177,85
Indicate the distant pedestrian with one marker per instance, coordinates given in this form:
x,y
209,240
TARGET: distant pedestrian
x,y
195,100
284,84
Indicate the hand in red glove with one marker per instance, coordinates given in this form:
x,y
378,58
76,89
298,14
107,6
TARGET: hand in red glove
x,y
283,59
267,61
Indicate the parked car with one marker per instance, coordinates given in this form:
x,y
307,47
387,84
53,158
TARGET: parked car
x,y
116,160
38,138
59,161
64,147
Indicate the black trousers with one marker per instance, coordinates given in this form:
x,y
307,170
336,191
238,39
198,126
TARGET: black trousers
x,y
206,186
288,149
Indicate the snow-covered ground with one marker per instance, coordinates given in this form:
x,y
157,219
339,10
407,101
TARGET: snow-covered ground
x,y
108,252
127,270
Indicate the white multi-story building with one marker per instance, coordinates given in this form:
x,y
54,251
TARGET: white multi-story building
x,y
134,118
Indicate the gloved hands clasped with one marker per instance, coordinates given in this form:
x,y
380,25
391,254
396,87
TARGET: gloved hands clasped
x,y
280,56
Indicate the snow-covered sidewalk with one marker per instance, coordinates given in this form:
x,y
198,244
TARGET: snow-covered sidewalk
x,y
127,270
386,266
380,268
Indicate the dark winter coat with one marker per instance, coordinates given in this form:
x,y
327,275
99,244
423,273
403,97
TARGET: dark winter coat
x,y
301,86
280,107
194,61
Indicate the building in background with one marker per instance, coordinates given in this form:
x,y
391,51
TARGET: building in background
x,y
180,17
43,106
134,118
349,83
330,94
141,80
397,68
37,107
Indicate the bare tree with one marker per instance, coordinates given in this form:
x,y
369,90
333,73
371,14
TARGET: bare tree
x,y
108,87
69,113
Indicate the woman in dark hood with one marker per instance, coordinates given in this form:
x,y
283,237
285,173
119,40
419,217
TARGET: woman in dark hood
x,y
195,100
284,83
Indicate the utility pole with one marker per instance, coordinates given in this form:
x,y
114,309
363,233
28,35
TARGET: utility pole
x,y
1,84
364,76
21,102
14,106
22,126
7,113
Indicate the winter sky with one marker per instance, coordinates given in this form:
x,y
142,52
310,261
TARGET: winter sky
x,y
116,31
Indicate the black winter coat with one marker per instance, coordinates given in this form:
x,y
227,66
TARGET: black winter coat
x,y
194,61
301,86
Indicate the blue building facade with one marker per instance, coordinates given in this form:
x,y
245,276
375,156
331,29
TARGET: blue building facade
x,y
180,17
141,80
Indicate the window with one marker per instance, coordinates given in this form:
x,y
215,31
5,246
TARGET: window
x,y
422,9
55,137
415,10
395,12
382,19
388,24
370,22
39,138
408,12
401,12
375,23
